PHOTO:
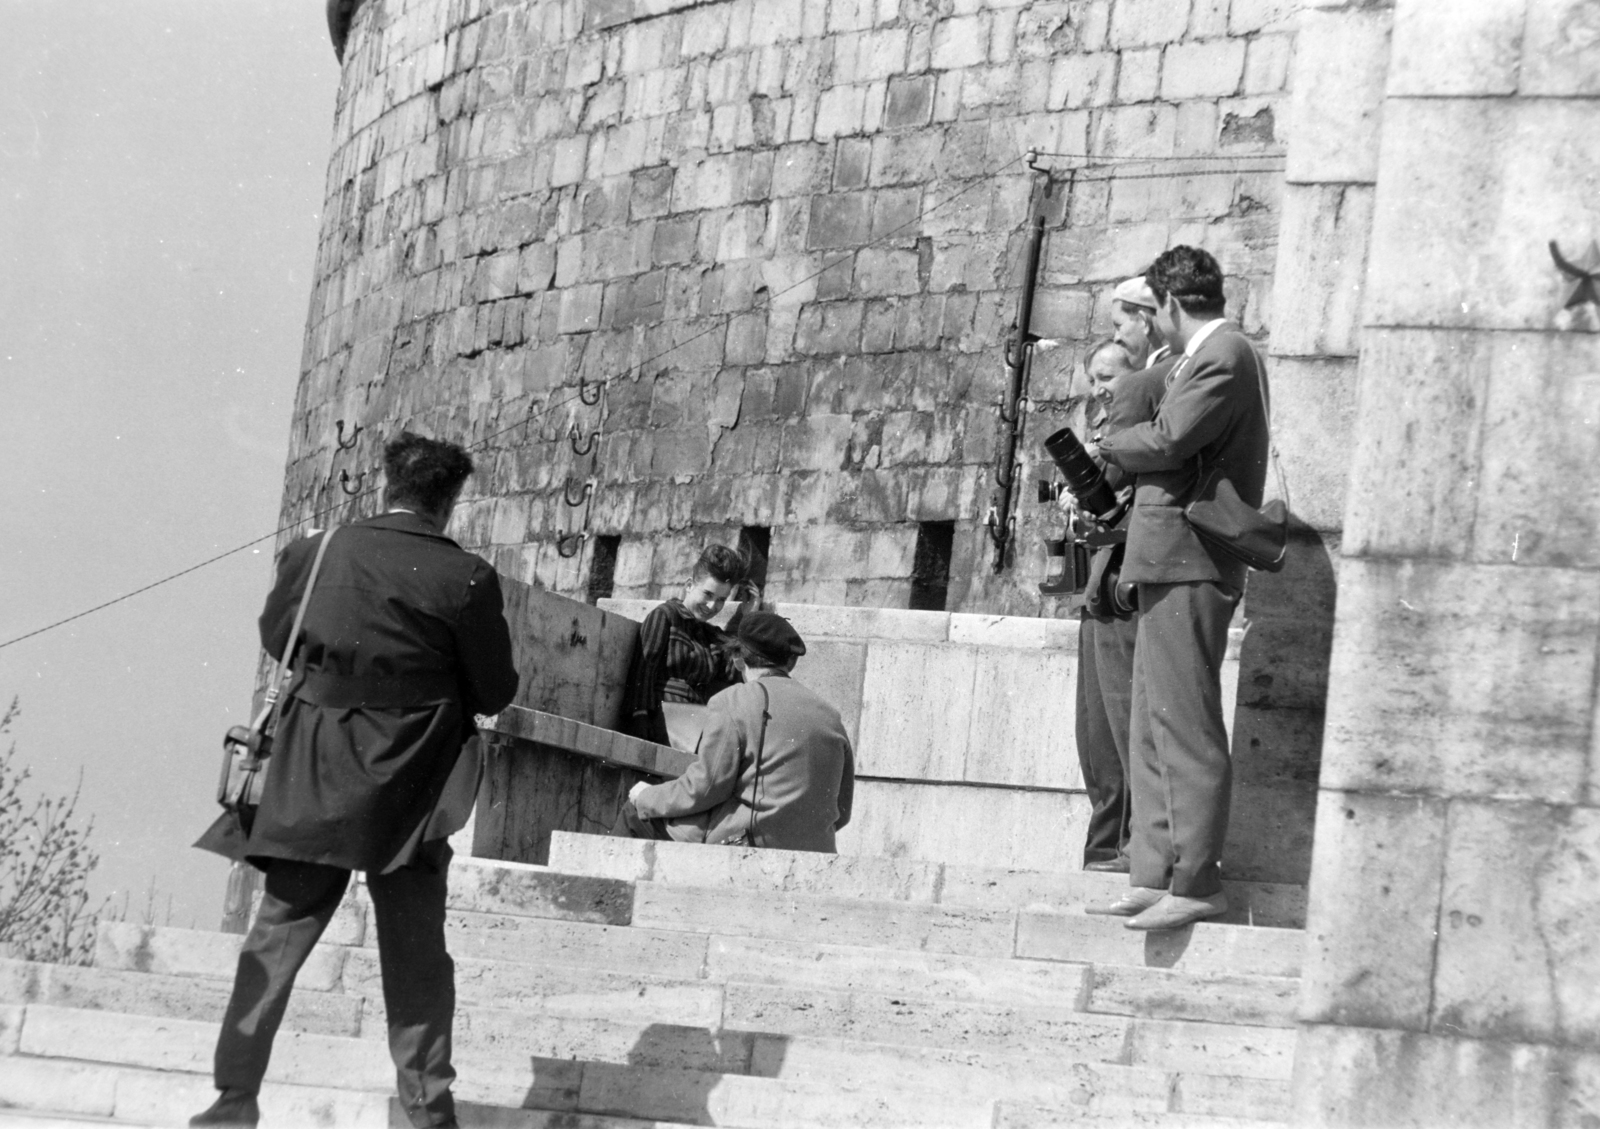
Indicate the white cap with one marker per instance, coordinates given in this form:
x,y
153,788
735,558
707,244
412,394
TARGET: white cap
x,y
1135,292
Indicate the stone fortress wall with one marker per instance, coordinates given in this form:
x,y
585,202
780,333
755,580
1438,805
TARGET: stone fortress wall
x,y
727,212
781,247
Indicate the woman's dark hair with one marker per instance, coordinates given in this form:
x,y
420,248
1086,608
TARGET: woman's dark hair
x,y
1191,276
722,564
423,472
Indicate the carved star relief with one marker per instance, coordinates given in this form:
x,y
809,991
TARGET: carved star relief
x,y
1585,275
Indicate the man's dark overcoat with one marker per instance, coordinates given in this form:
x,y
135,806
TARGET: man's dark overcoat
x,y
404,641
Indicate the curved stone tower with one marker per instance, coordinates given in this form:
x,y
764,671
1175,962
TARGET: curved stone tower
x,y
782,244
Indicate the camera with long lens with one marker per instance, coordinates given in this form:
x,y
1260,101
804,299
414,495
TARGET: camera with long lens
x,y
1086,479
1098,507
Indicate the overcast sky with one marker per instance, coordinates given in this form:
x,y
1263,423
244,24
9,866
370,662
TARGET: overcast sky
x,y
161,167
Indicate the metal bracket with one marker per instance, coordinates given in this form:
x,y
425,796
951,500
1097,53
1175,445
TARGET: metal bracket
x,y
583,495
583,391
338,425
344,482
576,540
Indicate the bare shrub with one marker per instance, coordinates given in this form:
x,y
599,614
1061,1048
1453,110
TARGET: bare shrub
x,y
45,863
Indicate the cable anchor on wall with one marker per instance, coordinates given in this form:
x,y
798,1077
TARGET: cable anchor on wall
x,y
345,482
583,494
583,391
343,444
574,540
574,434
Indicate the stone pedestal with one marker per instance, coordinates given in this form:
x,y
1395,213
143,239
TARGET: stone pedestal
x,y
1452,927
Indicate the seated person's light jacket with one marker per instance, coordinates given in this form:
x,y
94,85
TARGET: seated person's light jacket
x,y
807,776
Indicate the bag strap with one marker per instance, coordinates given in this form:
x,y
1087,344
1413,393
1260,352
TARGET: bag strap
x,y
274,701
761,743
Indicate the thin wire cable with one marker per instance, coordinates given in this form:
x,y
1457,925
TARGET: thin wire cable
x,y
531,417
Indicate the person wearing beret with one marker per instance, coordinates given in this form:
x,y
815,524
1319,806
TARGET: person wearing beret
x,y
774,769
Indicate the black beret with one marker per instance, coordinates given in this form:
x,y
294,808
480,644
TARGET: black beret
x,y
771,637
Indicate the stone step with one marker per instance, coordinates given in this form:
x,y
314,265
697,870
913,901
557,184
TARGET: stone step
x,y
880,879
719,1030
61,1092
791,1082
720,1035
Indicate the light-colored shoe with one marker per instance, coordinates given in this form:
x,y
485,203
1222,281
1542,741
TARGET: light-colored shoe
x,y
1174,912
1135,901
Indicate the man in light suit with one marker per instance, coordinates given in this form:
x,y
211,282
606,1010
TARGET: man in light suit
x,y
1214,415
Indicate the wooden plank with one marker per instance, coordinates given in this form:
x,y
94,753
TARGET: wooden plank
x,y
567,734
573,657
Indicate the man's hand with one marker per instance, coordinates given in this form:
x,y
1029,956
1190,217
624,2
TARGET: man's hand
x,y
633,793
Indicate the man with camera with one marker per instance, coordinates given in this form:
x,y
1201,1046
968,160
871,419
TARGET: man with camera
x,y
1214,415
403,642
1121,394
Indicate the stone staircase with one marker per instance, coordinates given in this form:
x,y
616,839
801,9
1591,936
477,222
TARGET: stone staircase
x,y
632,984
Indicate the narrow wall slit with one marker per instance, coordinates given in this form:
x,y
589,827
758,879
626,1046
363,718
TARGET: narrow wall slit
x,y
603,566
930,565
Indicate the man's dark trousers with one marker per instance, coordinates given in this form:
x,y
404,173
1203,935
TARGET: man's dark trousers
x,y
1105,703
419,994
1182,773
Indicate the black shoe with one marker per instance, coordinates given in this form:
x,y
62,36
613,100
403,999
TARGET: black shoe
x,y
233,1109
1109,866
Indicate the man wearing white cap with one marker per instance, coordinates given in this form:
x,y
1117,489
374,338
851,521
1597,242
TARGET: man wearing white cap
x,y
1133,318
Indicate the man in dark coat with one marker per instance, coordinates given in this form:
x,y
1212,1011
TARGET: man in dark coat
x,y
1214,415
1120,397
404,642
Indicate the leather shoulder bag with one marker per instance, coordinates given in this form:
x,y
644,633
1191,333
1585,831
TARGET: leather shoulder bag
x,y
1229,524
246,748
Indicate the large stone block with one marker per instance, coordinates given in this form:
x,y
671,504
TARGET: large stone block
x,y
1411,706
835,670
1202,70
1472,192
980,827
1140,23
1357,1076
1540,507
1409,497
916,711
1023,729
1314,426
1321,268
1336,107
1560,49
1376,873
1519,937
1469,47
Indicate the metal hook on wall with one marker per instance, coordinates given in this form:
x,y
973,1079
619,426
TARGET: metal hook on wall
x,y
342,443
344,482
575,540
573,435
583,391
583,495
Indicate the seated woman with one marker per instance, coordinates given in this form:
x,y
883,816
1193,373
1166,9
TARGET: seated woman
x,y
775,766
682,656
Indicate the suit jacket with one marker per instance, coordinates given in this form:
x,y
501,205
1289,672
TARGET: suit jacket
x,y
1135,398
807,779
1214,414
404,641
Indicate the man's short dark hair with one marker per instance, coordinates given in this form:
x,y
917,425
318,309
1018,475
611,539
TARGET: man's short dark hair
x,y
722,564
1191,276
422,472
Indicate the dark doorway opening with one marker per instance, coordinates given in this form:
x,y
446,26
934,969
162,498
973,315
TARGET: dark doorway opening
x,y
603,566
755,544
930,565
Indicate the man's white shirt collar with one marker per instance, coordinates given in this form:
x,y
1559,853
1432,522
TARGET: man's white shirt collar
x,y
1200,335
1157,355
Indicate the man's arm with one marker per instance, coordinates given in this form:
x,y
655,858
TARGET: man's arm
x,y
483,646
847,786
709,781
277,617
1196,410
642,702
